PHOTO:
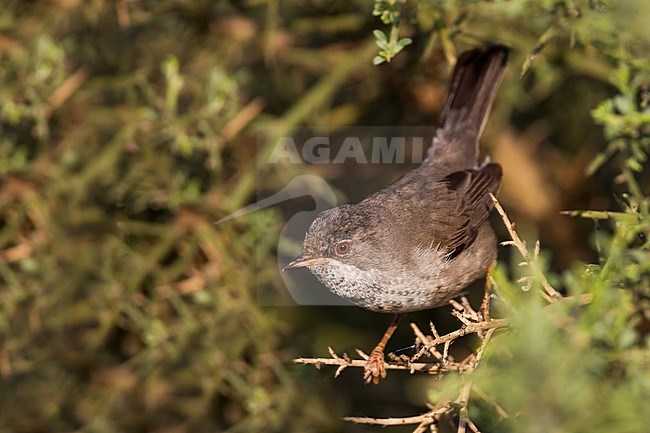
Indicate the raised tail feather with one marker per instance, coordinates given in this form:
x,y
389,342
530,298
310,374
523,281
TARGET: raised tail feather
x,y
470,96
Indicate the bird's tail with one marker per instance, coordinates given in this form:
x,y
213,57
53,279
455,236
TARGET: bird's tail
x,y
470,96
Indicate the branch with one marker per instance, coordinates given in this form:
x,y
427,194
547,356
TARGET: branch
x,y
429,417
549,293
345,361
472,328
463,397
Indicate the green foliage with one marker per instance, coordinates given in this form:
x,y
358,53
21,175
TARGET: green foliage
x,y
389,49
389,12
577,366
582,364
122,306
626,116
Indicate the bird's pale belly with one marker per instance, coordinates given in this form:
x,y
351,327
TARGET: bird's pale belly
x,y
376,292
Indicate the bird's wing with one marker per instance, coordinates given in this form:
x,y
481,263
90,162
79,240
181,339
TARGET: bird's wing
x,y
462,204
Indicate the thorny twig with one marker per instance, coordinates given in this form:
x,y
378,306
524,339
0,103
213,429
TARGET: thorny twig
x,y
550,294
345,361
472,328
429,346
425,417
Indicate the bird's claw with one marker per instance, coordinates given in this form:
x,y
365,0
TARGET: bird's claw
x,y
375,368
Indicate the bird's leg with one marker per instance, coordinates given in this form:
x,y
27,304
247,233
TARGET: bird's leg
x,y
375,368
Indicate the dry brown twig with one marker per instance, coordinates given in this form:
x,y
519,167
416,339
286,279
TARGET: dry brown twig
x,y
532,261
429,346
419,419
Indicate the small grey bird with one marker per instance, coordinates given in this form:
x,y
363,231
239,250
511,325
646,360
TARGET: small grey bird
x,y
417,243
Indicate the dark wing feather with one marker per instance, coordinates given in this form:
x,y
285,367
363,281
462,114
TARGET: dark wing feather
x,y
465,192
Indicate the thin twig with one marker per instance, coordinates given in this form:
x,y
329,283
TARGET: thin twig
x,y
497,408
426,340
422,427
422,367
428,345
549,293
484,310
465,330
583,299
486,339
472,426
463,400
419,334
434,331
431,415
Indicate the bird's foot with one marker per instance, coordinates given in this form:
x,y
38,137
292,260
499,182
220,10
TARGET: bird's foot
x,y
375,368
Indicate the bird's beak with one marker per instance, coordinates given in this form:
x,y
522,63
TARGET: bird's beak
x,y
303,261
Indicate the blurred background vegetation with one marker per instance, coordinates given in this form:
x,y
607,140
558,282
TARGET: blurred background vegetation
x,y
128,127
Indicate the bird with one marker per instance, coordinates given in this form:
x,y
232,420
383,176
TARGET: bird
x,y
420,241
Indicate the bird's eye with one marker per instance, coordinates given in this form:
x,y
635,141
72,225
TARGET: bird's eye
x,y
342,248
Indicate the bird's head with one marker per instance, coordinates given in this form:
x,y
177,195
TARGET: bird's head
x,y
344,234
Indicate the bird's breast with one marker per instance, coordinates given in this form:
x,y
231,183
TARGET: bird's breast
x,y
382,291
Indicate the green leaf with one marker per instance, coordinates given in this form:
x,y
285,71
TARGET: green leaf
x,y
381,36
402,43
